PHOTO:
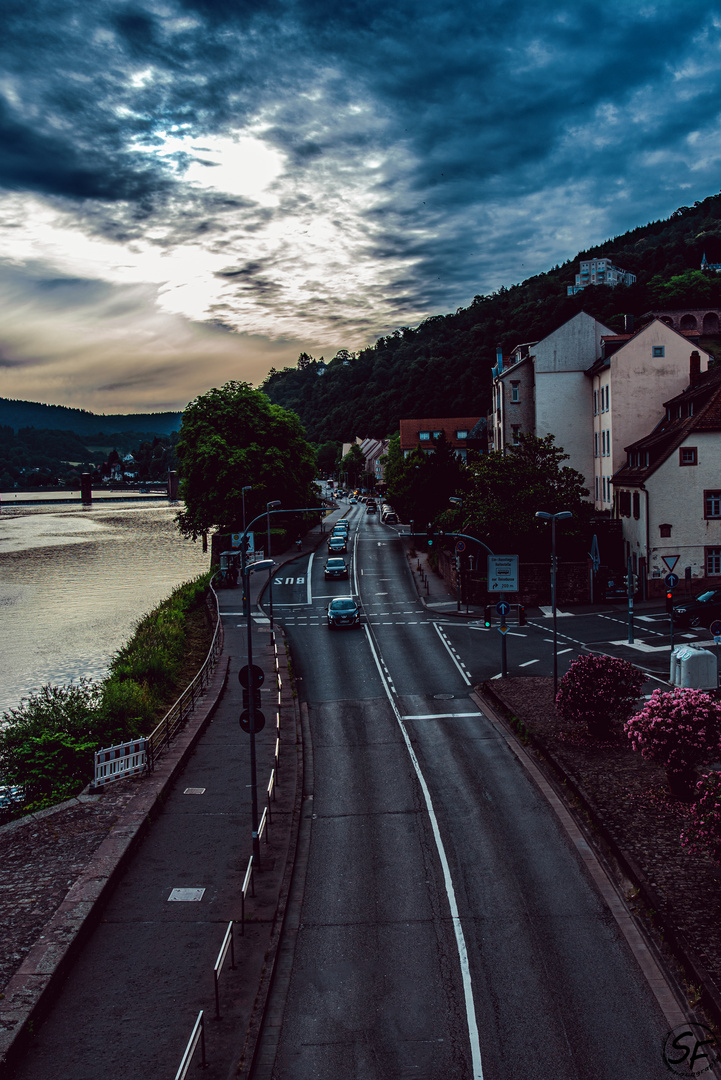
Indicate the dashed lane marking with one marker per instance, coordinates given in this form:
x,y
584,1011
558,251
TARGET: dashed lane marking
x,y
529,662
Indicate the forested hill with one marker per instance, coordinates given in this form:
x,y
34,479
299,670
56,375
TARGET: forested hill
x,y
31,414
443,367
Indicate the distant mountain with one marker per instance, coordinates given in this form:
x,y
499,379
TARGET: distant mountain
x,y
443,367
24,414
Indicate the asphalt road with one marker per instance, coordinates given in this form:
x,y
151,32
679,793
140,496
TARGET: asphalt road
x,y
448,928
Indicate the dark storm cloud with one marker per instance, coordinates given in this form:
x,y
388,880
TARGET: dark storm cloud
x,y
488,139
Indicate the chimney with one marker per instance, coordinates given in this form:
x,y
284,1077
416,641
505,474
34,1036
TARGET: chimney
x,y
694,368
499,358
628,324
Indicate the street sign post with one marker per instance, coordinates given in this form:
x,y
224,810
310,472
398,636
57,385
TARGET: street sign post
x,y
671,581
502,573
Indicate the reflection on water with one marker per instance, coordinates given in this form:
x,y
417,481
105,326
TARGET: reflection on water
x,y
74,583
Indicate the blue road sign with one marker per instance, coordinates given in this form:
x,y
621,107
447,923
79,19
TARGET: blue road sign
x,y
502,607
460,546
671,581
715,627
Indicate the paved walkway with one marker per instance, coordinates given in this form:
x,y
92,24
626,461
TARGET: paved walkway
x,y
91,926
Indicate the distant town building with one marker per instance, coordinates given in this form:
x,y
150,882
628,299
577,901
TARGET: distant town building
x,y
706,265
599,272
421,434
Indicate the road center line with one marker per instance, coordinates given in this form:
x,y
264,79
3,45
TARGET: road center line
x,y
450,891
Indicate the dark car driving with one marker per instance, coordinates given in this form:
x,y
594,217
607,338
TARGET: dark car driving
x,y
701,610
337,544
343,611
336,568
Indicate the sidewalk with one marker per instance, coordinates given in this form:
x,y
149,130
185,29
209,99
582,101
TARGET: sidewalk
x,y
86,887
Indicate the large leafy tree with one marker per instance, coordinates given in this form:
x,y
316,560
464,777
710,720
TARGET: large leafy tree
x,y
502,492
231,437
420,485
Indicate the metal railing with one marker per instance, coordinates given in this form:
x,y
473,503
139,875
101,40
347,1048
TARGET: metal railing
x,y
196,1036
176,716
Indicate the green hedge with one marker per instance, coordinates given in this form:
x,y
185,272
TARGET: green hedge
x,y
47,744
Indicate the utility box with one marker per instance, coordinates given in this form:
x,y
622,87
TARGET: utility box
x,y
693,669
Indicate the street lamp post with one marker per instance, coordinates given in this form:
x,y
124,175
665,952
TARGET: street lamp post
x,y
563,515
268,507
248,487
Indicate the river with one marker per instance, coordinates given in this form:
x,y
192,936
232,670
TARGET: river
x,y
75,581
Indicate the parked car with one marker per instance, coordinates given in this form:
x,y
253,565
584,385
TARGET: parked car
x,y
371,508
701,610
335,568
390,518
337,544
353,502
343,611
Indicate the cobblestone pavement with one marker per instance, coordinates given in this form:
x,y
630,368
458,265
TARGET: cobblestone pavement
x,y
41,857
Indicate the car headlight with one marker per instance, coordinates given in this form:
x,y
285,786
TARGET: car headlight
x,y
680,610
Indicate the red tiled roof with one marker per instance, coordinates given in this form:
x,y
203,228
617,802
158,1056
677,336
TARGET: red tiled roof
x,y
448,425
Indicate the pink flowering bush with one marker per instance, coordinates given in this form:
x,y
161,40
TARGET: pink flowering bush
x,y
702,835
680,729
599,691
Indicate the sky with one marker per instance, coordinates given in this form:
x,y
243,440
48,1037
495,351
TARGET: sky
x,y
193,191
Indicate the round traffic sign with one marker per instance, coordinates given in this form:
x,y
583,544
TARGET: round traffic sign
x,y
460,546
502,607
671,580
251,678
715,627
245,721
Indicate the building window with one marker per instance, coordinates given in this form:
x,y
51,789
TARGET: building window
x,y
515,391
658,350
624,503
424,436
596,489
437,434
595,444
687,456
595,402
603,487
712,504
636,505
713,561
607,392
461,434
515,433
664,530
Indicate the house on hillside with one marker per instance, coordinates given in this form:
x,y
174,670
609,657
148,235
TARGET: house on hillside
x,y
460,433
599,272
542,388
373,451
631,376
668,490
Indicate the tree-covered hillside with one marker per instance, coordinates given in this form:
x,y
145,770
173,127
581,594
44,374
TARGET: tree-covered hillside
x,y
27,414
442,367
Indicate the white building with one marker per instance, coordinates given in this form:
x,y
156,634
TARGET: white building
x,y
633,374
599,272
668,489
542,388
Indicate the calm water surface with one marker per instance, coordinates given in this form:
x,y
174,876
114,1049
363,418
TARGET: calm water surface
x,y
75,581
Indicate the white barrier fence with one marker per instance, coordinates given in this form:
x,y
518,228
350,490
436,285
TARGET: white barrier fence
x,y
117,762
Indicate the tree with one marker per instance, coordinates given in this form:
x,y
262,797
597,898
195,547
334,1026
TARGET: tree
x,y
420,485
231,437
328,455
353,464
503,491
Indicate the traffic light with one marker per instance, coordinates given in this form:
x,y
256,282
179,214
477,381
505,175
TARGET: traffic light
x,y
487,617
669,601
521,615
429,535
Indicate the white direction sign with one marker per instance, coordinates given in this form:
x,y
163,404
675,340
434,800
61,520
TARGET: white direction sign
x,y
503,573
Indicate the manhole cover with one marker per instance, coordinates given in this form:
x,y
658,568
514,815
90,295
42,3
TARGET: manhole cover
x,y
194,791
186,894
443,697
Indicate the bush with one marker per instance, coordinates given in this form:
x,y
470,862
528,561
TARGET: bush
x,y
702,834
680,729
599,691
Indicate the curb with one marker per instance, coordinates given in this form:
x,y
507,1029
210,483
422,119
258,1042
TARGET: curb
x,y
671,936
30,992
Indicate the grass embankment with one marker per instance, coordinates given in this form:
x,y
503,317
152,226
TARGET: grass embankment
x,y
47,746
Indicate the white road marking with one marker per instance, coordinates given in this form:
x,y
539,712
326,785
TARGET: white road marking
x,y
443,638
442,715
448,881
641,646
562,651
529,662
309,595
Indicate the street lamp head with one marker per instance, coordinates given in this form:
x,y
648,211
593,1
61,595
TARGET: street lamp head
x,y
275,502
562,515
456,500
262,564
248,487
543,514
